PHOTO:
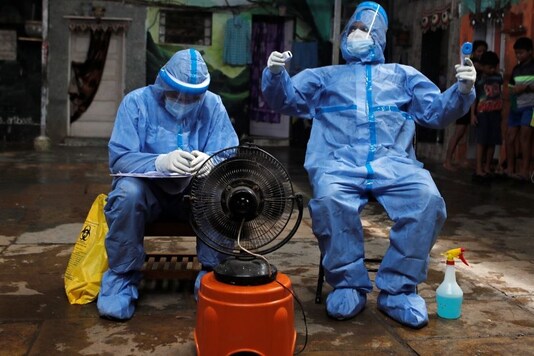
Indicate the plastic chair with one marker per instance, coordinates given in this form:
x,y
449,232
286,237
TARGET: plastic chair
x,y
320,277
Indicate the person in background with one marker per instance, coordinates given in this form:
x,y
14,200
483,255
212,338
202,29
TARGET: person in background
x,y
171,126
462,124
487,120
479,48
361,145
522,89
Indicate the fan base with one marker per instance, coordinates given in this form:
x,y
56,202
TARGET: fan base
x,y
241,271
255,320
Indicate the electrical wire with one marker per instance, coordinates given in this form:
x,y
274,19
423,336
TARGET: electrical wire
x,y
289,290
303,317
250,252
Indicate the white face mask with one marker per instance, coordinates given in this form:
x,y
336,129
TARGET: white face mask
x,y
357,35
359,48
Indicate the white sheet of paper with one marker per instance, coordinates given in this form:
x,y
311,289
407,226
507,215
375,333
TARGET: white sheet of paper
x,y
151,174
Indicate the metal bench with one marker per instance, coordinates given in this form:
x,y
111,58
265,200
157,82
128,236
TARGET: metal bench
x,y
165,266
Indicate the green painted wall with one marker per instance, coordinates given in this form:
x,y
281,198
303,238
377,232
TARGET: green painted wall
x,y
230,82
212,54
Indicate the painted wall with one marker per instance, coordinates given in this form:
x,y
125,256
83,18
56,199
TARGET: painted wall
x,y
211,54
526,8
20,70
59,62
230,82
407,15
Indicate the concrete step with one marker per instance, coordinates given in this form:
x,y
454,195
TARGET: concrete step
x,y
265,141
86,141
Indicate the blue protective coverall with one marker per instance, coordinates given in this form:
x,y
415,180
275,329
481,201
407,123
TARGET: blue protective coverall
x,y
361,144
143,130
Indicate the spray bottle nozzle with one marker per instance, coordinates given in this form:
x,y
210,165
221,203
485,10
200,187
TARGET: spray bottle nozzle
x,y
455,253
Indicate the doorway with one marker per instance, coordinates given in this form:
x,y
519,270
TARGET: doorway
x,y
97,121
269,33
434,51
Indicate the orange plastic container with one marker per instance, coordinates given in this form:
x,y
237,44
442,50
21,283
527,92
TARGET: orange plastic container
x,y
257,319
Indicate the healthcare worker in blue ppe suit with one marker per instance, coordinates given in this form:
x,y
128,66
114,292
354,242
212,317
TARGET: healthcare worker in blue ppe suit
x,y
171,126
364,114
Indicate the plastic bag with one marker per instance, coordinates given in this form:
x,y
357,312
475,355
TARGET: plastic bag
x,y
89,259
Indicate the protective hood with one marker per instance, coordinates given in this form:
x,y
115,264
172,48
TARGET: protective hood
x,y
365,13
181,84
186,72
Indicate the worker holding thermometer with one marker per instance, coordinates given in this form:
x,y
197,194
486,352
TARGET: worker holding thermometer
x,y
364,114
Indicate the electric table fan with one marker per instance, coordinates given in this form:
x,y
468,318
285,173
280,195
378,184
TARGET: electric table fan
x,y
243,208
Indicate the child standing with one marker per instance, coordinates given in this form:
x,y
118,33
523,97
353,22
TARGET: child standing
x,y
462,124
522,88
487,120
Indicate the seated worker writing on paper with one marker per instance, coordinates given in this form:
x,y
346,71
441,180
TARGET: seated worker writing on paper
x,y
171,126
364,114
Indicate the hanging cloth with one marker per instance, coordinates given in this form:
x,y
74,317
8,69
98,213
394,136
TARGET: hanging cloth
x,y
237,41
305,55
86,76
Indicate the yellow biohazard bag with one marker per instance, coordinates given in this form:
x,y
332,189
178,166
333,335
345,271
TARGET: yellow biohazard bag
x,y
88,260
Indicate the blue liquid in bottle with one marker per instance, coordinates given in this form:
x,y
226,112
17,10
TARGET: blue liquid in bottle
x,y
449,308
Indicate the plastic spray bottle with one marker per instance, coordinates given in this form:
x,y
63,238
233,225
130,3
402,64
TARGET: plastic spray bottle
x,y
449,295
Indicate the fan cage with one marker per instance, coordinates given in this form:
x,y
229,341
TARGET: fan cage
x,y
254,168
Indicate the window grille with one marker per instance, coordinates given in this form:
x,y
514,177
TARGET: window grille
x,y
185,27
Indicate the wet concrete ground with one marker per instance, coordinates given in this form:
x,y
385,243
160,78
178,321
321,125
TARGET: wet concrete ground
x,y
45,198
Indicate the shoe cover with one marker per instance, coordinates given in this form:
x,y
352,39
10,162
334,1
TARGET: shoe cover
x,y
345,303
197,283
407,308
118,295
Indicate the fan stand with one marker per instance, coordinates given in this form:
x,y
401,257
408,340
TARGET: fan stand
x,y
235,318
245,305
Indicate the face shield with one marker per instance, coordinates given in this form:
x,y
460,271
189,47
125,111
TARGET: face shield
x,y
364,37
183,82
358,30
181,104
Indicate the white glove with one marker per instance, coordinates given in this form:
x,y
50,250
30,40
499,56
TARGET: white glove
x,y
198,162
177,161
276,61
466,75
